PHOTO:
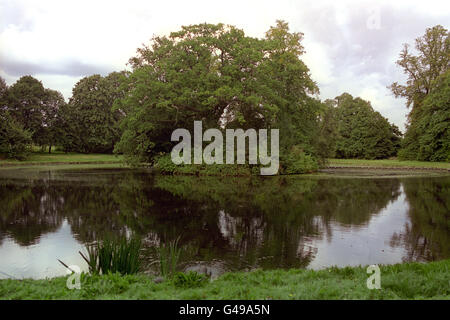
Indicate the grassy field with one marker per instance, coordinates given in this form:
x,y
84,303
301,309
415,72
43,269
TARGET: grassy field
x,y
44,158
63,158
387,163
401,281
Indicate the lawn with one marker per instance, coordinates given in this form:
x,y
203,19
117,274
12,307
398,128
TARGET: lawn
x,y
63,158
401,281
388,163
80,158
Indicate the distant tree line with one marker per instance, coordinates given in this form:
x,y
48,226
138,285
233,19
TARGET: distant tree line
x,y
354,130
217,74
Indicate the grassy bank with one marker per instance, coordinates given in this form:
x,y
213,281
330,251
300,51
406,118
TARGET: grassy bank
x,y
387,163
167,167
401,281
62,158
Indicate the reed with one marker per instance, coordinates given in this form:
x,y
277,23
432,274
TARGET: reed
x,y
169,256
114,256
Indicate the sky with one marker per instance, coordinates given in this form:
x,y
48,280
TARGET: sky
x,y
351,46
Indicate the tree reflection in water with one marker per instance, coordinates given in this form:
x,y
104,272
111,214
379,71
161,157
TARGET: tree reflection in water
x,y
244,223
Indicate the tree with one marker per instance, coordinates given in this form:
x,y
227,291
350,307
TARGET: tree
x,y
90,124
51,131
290,88
363,132
217,74
432,61
327,130
3,91
433,124
26,98
36,109
14,140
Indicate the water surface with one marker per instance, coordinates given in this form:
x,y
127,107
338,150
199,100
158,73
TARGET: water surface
x,y
224,224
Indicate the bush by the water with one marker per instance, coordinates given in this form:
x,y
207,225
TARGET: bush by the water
x,y
295,162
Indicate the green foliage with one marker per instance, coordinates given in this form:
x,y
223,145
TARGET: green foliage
x,y
25,104
36,109
428,135
114,256
432,60
169,256
217,74
297,161
90,125
362,132
401,281
325,143
165,165
190,279
388,163
51,131
14,140
427,93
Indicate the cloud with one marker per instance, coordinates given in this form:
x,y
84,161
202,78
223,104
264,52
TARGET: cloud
x,y
70,68
10,13
351,46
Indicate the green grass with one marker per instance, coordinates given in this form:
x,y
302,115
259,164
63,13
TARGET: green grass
x,y
401,281
388,163
63,158
190,279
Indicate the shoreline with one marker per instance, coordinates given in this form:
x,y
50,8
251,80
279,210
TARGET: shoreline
x,y
60,158
24,164
430,282
327,171
400,168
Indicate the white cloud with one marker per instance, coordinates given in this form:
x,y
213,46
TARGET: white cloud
x,y
60,41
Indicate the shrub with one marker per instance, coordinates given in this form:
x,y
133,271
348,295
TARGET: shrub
x,y
165,164
297,161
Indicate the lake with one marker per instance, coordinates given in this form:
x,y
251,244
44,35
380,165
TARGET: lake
x,y
223,224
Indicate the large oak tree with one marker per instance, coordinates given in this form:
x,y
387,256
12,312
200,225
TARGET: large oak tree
x,y
217,74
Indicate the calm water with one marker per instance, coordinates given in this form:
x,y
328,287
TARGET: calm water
x,y
223,224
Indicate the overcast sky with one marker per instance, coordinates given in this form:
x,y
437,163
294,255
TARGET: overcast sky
x,y
351,46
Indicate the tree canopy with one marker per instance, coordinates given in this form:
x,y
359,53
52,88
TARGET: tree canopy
x,y
14,140
423,69
217,74
359,131
432,126
90,125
